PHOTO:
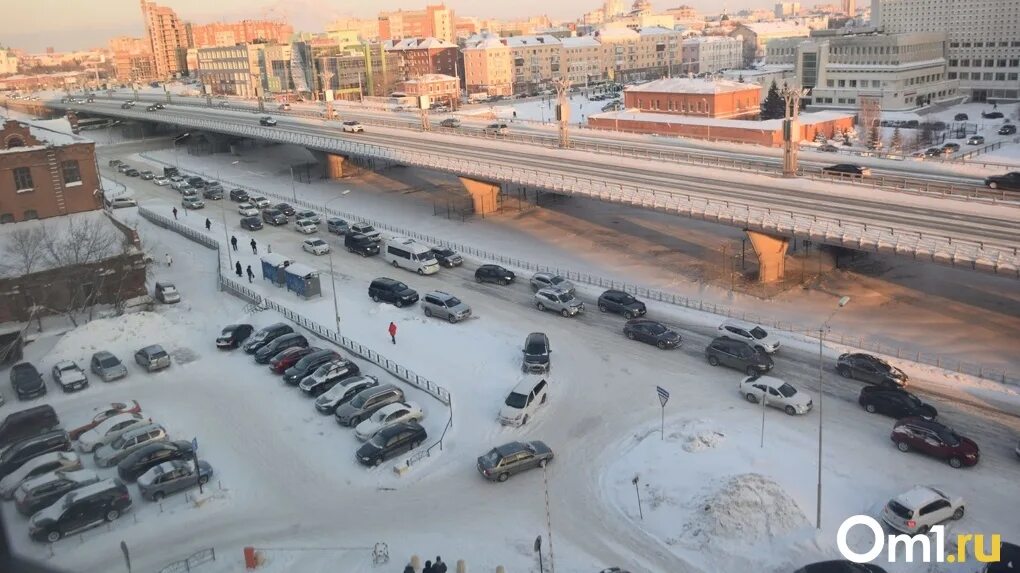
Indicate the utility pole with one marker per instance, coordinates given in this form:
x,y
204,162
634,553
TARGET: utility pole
x,y
327,78
563,113
791,97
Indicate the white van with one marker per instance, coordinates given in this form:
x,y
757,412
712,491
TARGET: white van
x,y
406,253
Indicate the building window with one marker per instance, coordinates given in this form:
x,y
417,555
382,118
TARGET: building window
x,y
22,179
31,214
71,172
6,218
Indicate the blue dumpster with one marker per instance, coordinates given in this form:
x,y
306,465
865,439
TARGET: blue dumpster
x,y
303,280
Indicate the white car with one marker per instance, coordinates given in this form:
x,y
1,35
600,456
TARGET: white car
x,y
305,226
38,466
161,181
549,280
522,402
315,246
108,431
751,333
352,126
180,185
775,393
388,416
260,202
247,210
917,510
309,216
175,179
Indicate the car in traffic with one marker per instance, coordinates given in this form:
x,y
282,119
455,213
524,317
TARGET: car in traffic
x,y
1008,181
104,413
80,509
122,202
160,181
153,358
558,300
777,393
192,202
894,402
365,229
1008,129
496,129
247,210
447,257
305,227
238,195
976,140
266,335
172,477
537,354
108,430
123,168
69,376
751,333
390,415
366,403
315,246
251,223
285,208
523,402
936,440
152,454
267,121
146,175
446,306
960,117
920,508
337,226
132,172
112,453
620,302
361,244
343,390
739,355
391,441
846,170
233,335
308,215
214,193
259,202
651,332
950,147
450,122
38,466
501,462
27,382
384,289
42,491
870,369
107,366
274,217
278,345
352,127
828,148
543,280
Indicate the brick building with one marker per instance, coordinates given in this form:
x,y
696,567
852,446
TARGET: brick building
x,y
436,21
222,34
39,180
422,56
698,97
440,88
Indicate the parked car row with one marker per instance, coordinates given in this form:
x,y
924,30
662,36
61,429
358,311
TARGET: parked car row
x,y
49,484
28,382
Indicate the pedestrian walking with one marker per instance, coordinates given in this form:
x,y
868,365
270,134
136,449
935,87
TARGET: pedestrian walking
x,y
233,242
208,225
393,332
269,248
169,260
237,268
175,213
428,568
254,248
439,566
409,569
515,114
251,275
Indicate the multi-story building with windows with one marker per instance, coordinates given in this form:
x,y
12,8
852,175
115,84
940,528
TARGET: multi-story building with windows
x,y
756,35
710,54
440,88
220,34
584,59
168,39
535,61
697,97
488,67
421,56
352,71
8,62
902,71
435,21
983,39
643,54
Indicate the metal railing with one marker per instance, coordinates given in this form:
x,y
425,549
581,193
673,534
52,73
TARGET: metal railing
x,y
998,374
194,560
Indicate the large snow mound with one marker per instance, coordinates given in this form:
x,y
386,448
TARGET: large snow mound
x,y
696,436
747,507
122,335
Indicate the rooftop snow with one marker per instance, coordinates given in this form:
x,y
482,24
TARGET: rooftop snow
x,y
431,78
417,44
693,85
579,42
43,244
541,40
776,27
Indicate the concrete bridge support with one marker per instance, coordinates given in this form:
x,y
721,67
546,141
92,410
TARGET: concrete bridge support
x,y
771,252
332,164
484,194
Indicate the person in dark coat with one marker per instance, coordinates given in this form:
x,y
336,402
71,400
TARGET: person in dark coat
x,y
237,268
254,248
251,275
175,213
439,566
428,568
233,242
208,225
408,569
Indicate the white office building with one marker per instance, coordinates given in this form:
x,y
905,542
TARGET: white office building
x,y
983,39
710,54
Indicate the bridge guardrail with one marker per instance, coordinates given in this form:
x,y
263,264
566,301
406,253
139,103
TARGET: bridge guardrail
x,y
997,374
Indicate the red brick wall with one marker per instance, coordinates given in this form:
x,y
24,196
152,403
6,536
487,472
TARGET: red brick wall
x,y
771,138
729,105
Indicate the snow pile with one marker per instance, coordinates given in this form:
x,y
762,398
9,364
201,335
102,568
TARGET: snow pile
x,y
746,508
122,335
695,436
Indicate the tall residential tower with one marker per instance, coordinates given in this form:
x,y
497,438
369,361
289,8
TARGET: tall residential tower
x,y
168,39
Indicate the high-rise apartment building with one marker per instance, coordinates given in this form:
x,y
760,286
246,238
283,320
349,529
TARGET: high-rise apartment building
x,y
849,7
436,21
231,33
168,39
984,39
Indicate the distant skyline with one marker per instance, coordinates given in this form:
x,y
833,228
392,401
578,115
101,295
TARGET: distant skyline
x,y
82,24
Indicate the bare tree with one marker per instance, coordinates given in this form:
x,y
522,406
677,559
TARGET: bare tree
x,y
25,251
83,241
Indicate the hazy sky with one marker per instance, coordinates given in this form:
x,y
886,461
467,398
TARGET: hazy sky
x,y
79,24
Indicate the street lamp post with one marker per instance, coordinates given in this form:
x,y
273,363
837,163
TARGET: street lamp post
x,y
223,217
332,276
821,341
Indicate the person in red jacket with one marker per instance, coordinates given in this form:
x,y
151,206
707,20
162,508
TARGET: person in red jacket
x,y
393,332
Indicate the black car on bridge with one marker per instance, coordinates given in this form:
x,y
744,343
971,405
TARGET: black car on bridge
x,y
267,121
1009,181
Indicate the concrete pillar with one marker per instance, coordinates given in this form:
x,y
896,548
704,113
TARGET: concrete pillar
x,y
771,252
334,166
483,193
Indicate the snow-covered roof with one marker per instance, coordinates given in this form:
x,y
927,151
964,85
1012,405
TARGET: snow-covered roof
x,y
782,27
485,43
301,270
655,31
617,33
540,40
18,246
709,39
427,78
579,42
276,259
417,44
693,85
767,125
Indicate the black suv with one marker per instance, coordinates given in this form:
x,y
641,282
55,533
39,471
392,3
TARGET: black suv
x,y
621,303
895,402
391,441
238,195
285,209
251,223
385,289
141,460
447,257
80,509
362,244
870,369
233,335
494,274
27,381
738,354
306,365
536,353
274,217
15,456
265,336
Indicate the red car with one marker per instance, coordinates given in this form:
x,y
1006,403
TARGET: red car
x,y
287,358
936,440
132,407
